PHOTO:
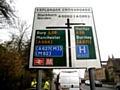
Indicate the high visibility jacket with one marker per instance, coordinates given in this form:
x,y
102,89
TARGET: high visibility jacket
x,y
33,84
47,85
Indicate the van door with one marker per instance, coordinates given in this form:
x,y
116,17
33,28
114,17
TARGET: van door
x,y
65,82
74,82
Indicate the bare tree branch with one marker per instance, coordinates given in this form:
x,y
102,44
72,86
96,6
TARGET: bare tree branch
x,y
21,28
7,13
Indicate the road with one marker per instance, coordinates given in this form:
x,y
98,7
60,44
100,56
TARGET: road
x,y
84,87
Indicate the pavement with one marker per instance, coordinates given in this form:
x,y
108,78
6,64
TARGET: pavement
x,y
109,86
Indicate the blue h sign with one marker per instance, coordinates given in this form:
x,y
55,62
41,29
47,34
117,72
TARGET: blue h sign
x,y
82,51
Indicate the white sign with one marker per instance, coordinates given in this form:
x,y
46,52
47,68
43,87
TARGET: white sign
x,y
83,41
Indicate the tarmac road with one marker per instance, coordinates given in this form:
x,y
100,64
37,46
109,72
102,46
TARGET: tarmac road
x,y
105,87
85,87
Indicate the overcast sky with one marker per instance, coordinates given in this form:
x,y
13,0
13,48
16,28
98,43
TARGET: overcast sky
x,y
106,16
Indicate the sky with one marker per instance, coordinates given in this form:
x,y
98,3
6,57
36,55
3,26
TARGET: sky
x,y
106,17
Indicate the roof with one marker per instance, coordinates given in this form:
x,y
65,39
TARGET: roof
x,y
116,61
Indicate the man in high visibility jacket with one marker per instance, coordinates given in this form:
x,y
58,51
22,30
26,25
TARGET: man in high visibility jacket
x,y
33,83
47,84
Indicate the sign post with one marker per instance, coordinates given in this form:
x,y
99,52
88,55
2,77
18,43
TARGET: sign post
x,y
92,80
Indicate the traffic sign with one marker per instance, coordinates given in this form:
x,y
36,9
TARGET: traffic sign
x,y
49,49
82,51
65,37
85,46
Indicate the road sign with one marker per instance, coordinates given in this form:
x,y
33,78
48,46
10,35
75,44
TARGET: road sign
x,y
65,37
84,43
38,61
82,51
49,49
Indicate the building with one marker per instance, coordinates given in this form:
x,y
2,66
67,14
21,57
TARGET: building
x,y
99,74
113,67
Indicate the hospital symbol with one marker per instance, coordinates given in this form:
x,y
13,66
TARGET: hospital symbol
x,y
82,51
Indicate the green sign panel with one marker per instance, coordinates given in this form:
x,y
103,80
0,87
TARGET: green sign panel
x,y
84,40
50,48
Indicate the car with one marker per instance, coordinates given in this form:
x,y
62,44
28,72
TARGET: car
x,y
118,86
97,83
87,82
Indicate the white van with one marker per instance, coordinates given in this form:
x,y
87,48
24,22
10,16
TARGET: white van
x,y
68,80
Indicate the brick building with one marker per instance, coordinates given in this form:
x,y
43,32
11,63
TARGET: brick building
x,y
99,74
112,66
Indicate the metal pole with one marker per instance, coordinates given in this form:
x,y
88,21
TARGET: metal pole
x,y
92,80
39,80
69,43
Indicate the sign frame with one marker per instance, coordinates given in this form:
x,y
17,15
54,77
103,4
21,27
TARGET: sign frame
x,y
56,18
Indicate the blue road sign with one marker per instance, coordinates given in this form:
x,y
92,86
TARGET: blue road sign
x,y
82,51
48,51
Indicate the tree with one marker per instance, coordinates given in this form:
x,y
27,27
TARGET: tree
x,y
7,12
107,75
21,36
12,55
11,63
12,50
48,73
